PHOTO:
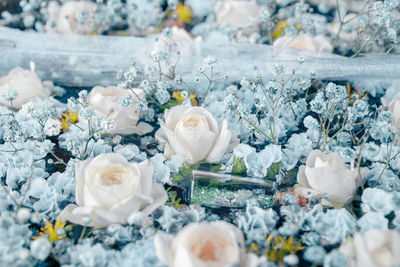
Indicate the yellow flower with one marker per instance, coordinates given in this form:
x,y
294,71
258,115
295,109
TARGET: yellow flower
x,y
351,92
280,28
67,118
278,247
183,13
178,96
52,230
179,99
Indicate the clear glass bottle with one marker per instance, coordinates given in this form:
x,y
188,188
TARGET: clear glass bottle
x,y
217,190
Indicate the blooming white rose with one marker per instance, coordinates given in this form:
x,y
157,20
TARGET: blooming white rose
x,y
374,248
327,174
318,43
110,190
394,108
193,133
204,244
105,99
26,83
64,19
236,14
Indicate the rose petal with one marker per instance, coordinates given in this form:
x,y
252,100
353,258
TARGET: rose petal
x,y
162,244
143,128
212,122
221,144
79,181
199,143
362,256
302,178
251,260
103,198
134,204
174,143
78,215
173,115
338,184
146,177
107,158
312,156
307,192
159,196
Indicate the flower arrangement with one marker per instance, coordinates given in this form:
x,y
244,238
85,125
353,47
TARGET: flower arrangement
x,y
154,170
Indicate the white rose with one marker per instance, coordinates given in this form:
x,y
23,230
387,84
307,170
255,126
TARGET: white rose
x,y
104,99
193,133
110,190
26,83
236,14
394,108
179,41
204,244
374,248
318,43
327,174
64,19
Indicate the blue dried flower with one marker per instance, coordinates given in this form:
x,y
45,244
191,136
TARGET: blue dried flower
x,y
314,254
372,220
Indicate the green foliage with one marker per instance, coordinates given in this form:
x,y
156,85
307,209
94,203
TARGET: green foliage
x,y
184,173
174,200
274,169
171,103
239,167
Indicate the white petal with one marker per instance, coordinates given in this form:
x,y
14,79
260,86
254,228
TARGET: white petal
x,y
212,122
163,244
363,258
159,196
302,178
312,156
109,158
175,144
337,183
221,145
199,143
146,177
134,204
80,181
307,192
143,128
251,260
173,115
78,215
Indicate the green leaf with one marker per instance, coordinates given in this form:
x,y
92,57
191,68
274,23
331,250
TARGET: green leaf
x,y
184,173
239,167
215,167
170,104
274,169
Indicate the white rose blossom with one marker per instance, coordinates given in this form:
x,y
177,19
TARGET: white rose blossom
x,y
110,190
236,14
193,133
64,19
394,108
204,244
26,83
317,43
374,248
327,174
241,16
106,99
